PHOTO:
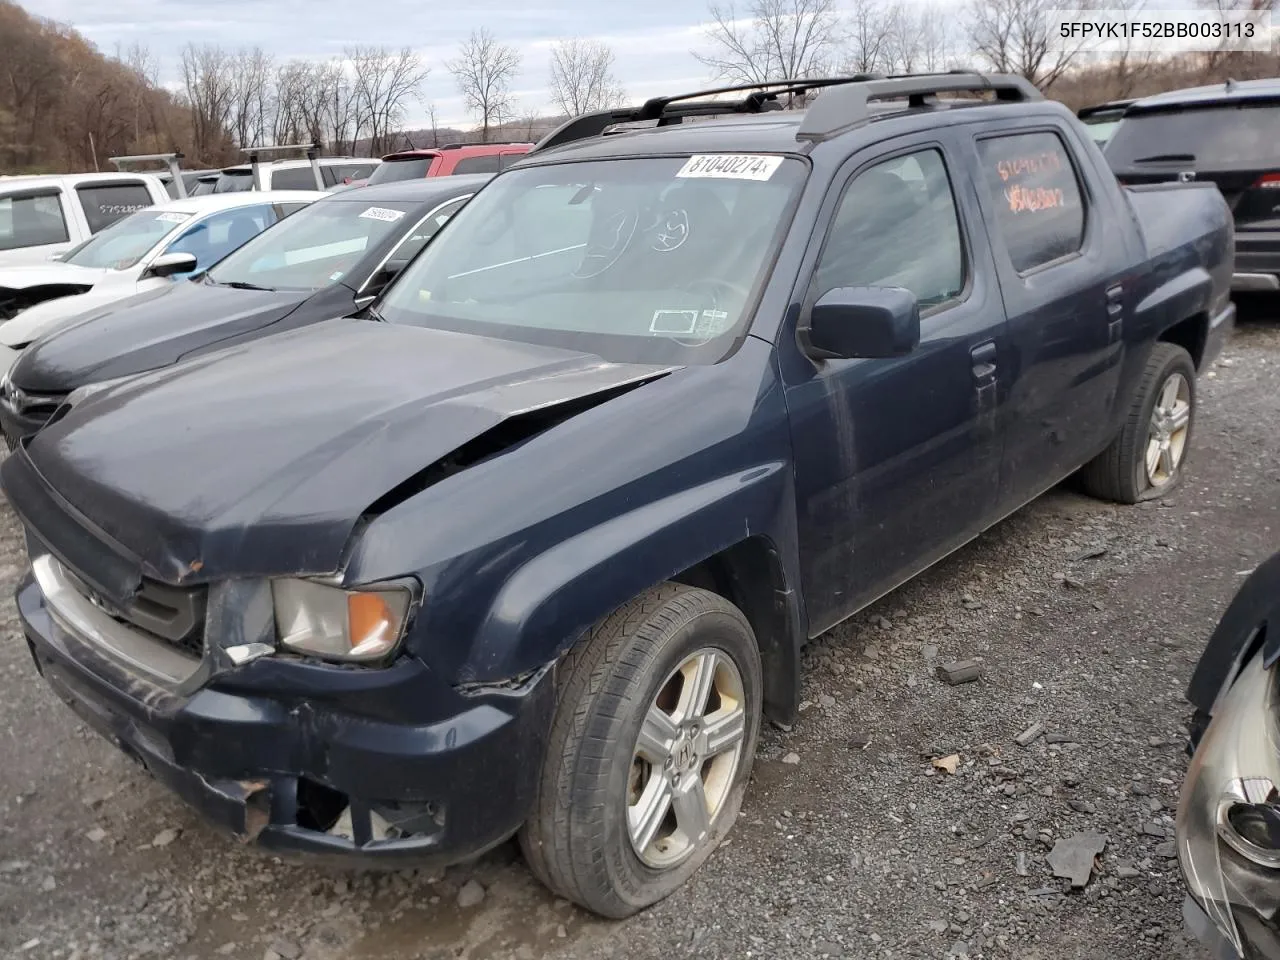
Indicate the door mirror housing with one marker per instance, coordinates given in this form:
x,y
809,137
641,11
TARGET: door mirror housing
x,y
850,323
168,264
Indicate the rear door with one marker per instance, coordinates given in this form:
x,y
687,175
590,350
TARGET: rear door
x,y
1061,257
897,460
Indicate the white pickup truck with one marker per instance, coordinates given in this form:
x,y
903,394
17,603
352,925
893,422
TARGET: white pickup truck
x,y
41,216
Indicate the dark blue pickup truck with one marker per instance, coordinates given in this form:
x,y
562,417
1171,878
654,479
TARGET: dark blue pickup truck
x,y
533,544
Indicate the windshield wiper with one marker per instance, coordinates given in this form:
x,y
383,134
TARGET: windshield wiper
x,y
1169,157
243,285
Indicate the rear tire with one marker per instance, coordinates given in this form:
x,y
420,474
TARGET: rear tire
x,y
1145,460
599,833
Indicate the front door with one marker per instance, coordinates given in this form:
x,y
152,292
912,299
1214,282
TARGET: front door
x,y
897,460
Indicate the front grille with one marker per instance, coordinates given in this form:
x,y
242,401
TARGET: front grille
x,y
173,615
36,406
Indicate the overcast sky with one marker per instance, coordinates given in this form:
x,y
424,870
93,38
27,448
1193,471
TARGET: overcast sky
x,y
651,38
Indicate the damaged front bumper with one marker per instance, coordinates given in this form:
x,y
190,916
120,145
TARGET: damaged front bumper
x,y
1228,824
317,760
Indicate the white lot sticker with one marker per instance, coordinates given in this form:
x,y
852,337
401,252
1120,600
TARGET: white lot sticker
x,y
383,214
731,166
173,217
674,321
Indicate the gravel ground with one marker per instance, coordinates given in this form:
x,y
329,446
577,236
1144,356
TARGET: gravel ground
x,y
852,843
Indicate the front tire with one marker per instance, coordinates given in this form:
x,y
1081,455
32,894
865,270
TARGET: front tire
x,y
1145,460
650,751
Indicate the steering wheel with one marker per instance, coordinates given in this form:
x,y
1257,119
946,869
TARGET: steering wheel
x,y
603,253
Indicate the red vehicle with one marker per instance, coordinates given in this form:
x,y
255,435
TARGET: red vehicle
x,y
444,161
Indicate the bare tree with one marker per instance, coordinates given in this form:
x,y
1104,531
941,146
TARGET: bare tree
x,y
777,40
484,70
873,27
582,77
434,123
1013,35
384,83
209,82
251,71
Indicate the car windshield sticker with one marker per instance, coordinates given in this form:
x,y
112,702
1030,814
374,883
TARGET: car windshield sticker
x,y
383,214
712,323
682,322
173,217
730,166
336,275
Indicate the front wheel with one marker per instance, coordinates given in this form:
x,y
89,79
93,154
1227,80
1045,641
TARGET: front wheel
x,y
650,750
1145,461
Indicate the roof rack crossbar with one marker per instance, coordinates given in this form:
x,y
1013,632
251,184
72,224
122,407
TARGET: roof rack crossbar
x,y
172,160
761,97
845,107
311,149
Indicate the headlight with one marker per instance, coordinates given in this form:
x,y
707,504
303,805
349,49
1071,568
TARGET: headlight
x,y
1228,817
337,624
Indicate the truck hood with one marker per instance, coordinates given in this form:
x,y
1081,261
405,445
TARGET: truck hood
x,y
49,275
260,460
142,332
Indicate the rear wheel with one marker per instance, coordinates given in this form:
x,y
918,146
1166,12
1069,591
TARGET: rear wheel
x,y
650,750
1145,460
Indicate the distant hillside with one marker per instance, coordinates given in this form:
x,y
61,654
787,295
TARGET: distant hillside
x,y
63,105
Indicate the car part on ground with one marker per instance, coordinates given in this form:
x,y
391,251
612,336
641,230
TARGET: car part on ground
x,y
1228,820
524,438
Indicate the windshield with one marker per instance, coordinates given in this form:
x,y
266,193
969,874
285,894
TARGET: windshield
x,y
317,246
127,240
390,170
1209,138
640,261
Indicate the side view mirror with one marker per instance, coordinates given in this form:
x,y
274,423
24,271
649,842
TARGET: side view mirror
x,y
864,323
167,264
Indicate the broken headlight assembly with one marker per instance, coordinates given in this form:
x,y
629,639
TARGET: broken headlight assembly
x,y
1229,815
350,626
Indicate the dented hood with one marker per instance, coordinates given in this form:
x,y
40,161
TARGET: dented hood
x,y
145,331
259,460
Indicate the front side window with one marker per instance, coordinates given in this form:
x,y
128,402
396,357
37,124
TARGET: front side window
x,y
896,226
32,221
638,260
314,247
126,241
104,205
1039,207
218,234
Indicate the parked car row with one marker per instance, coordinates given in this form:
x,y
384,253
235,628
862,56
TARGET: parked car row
x,y
453,508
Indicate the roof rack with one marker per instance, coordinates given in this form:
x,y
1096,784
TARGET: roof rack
x,y
172,159
488,143
843,106
312,151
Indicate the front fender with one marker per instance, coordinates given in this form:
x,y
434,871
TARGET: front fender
x,y
549,602
1251,622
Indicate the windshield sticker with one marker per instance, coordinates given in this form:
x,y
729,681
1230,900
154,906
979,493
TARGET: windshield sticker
x,y
173,217
731,166
336,275
712,323
383,214
682,322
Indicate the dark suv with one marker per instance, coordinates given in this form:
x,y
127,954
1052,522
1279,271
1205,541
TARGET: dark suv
x,y
1229,134
533,543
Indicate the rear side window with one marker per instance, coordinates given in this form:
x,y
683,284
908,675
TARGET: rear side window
x,y
1039,207
1204,138
295,178
31,221
104,205
897,226
486,164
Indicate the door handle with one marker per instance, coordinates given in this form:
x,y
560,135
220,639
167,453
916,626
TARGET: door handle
x,y
984,361
1115,301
